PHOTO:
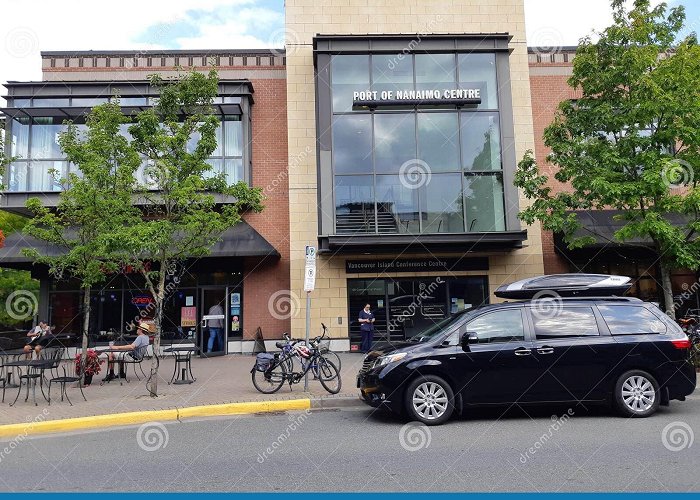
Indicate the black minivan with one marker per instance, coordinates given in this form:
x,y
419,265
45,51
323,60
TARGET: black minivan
x,y
611,350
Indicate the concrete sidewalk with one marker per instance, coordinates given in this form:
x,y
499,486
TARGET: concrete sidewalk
x,y
220,380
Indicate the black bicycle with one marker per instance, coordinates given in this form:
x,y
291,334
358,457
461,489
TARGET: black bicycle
x,y
272,371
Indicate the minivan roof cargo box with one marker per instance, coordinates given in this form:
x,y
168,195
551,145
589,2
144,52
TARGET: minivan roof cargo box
x,y
566,285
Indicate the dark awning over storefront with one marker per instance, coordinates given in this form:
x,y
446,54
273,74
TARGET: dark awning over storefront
x,y
239,241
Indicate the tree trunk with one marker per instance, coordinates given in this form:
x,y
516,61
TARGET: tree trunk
x,y
86,328
157,320
667,288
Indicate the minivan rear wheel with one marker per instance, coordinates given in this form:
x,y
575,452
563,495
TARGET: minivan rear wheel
x,y
637,394
430,400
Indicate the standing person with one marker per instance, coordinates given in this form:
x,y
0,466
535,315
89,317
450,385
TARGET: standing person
x,y
366,319
34,337
216,328
136,350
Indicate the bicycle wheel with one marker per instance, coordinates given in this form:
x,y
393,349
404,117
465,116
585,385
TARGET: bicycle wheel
x,y
329,375
271,380
333,358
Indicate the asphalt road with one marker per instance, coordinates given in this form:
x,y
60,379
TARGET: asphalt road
x,y
356,449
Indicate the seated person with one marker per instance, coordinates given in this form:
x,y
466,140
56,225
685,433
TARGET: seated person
x,y
134,350
37,338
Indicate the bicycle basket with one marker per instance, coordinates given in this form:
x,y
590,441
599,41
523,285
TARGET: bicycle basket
x,y
263,361
324,346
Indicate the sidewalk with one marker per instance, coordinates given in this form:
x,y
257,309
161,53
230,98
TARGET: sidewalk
x,y
220,380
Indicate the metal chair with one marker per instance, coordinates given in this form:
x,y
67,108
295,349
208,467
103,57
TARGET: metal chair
x,y
135,358
71,374
54,355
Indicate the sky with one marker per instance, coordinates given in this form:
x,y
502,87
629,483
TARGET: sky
x,y
30,26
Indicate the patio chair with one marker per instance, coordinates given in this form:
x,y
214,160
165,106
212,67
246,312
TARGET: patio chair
x,y
133,358
54,355
71,374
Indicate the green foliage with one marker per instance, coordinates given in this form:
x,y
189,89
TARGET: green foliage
x,y
632,141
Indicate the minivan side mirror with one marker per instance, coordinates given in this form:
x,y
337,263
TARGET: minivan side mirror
x,y
469,338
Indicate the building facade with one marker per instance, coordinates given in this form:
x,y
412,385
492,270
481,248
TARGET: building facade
x,y
249,265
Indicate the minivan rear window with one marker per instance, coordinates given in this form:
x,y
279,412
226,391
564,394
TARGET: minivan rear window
x,y
631,320
564,322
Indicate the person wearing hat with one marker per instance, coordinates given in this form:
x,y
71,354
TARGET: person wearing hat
x,y
136,350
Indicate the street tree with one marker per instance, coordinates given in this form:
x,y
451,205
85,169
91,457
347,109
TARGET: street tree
x,y
186,205
93,204
631,142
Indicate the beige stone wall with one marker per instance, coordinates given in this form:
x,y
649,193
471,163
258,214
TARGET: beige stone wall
x,y
304,19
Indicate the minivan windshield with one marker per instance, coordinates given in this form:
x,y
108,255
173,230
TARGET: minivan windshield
x,y
440,327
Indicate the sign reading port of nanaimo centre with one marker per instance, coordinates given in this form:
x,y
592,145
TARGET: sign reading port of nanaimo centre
x,y
438,264
373,98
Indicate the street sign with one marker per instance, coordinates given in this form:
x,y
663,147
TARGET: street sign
x,y
310,254
309,277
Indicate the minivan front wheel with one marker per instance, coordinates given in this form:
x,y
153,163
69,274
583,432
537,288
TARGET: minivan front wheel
x,y
637,394
430,400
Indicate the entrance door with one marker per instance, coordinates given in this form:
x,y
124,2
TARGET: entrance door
x,y
213,325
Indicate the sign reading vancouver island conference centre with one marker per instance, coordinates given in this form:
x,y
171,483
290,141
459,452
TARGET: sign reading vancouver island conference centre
x,y
430,96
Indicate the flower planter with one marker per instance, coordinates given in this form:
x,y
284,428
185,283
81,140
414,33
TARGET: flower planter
x,y
87,380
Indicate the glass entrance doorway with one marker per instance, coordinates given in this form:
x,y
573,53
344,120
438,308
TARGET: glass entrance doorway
x,y
213,331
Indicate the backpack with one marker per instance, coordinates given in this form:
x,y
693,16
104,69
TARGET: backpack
x,y
263,361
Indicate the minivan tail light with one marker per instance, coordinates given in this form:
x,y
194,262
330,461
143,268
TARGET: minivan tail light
x,y
681,343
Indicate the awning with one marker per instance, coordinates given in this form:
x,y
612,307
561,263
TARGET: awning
x,y
240,240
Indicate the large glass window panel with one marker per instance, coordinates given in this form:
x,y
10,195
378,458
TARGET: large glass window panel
x,y
133,101
394,141
392,72
87,102
397,205
233,130
483,198
18,175
49,102
352,144
479,71
21,103
44,140
233,168
438,141
354,204
441,204
349,73
20,138
46,175
435,71
481,141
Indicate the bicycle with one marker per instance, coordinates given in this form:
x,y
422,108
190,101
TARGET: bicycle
x,y
326,351
268,375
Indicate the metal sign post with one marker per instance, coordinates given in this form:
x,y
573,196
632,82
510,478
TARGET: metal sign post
x,y
309,283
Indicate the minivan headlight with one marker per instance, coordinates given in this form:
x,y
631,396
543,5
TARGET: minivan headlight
x,y
390,358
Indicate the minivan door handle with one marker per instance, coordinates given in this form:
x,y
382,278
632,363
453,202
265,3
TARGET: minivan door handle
x,y
545,350
523,351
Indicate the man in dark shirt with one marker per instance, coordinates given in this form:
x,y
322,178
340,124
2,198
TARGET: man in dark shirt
x,y
366,319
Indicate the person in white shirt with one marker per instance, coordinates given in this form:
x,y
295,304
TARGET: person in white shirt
x,y
35,337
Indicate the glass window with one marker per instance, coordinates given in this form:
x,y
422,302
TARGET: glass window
x,y
392,72
19,128
133,101
438,141
354,204
498,326
631,320
349,73
435,71
233,168
41,102
483,198
21,103
394,141
442,204
45,140
481,141
87,101
566,322
397,205
352,144
233,130
46,175
479,71
466,293
18,174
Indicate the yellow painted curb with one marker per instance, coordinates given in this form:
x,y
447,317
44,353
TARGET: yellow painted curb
x,y
139,417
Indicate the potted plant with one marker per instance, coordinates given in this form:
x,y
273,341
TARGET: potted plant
x,y
92,366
